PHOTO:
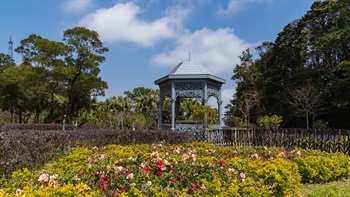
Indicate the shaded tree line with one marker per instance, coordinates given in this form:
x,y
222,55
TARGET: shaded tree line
x,y
303,76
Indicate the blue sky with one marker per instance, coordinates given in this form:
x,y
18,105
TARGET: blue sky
x,y
147,38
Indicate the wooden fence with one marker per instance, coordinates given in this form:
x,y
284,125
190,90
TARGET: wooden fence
x,y
329,140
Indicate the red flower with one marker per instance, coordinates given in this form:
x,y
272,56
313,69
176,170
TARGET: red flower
x,y
80,174
173,171
159,164
104,179
229,155
158,172
173,180
95,173
147,170
222,162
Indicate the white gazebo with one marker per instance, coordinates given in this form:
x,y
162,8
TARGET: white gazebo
x,y
189,80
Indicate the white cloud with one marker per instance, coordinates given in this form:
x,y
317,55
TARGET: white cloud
x,y
217,50
75,5
121,23
234,6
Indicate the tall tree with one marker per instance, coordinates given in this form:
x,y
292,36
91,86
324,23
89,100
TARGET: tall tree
x,y
83,60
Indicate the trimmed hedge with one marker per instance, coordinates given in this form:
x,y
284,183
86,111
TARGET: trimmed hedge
x,y
31,148
33,126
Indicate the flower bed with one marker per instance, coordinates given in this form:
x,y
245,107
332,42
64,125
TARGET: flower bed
x,y
177,170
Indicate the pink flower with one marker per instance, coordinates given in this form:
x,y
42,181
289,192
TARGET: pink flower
x,y
242,175
184,157
254,156
44,178
130,176
149,183
231,170
299,153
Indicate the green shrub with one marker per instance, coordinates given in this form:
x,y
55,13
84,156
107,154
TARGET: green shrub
x,y
321,167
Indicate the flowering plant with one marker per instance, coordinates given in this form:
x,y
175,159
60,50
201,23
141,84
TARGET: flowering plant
x,y
170,170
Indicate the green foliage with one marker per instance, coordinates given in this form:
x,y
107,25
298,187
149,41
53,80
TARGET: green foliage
x,y
320,167
320,124
241,122
313,50
269,122
205,114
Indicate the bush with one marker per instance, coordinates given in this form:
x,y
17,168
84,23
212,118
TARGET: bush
x,y
321,167
33,148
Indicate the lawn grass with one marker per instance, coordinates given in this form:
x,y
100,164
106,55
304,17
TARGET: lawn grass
x,y
339,188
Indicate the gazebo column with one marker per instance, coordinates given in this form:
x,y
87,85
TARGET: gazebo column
x,y
173,100
204,101
220,110
160,118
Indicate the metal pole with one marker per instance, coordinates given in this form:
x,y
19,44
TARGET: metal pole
x,y
63,130
64,123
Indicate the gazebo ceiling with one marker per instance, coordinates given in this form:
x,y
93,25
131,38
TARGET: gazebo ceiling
x,y
189,70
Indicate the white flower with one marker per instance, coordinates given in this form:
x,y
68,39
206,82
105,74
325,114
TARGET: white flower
x,y
18,192
193,157
132,184
149,183
53,177
120,168
166,162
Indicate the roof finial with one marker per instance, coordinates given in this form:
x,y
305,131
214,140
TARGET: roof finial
x,y
189,56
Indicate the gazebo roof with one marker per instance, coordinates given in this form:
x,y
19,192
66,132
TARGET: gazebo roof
x,y
190,70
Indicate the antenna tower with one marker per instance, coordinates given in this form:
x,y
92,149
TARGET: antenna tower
x,y
10,52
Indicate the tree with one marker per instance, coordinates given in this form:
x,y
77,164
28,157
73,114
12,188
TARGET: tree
x,y
247,98
314,48
145,101
83,60
306,101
